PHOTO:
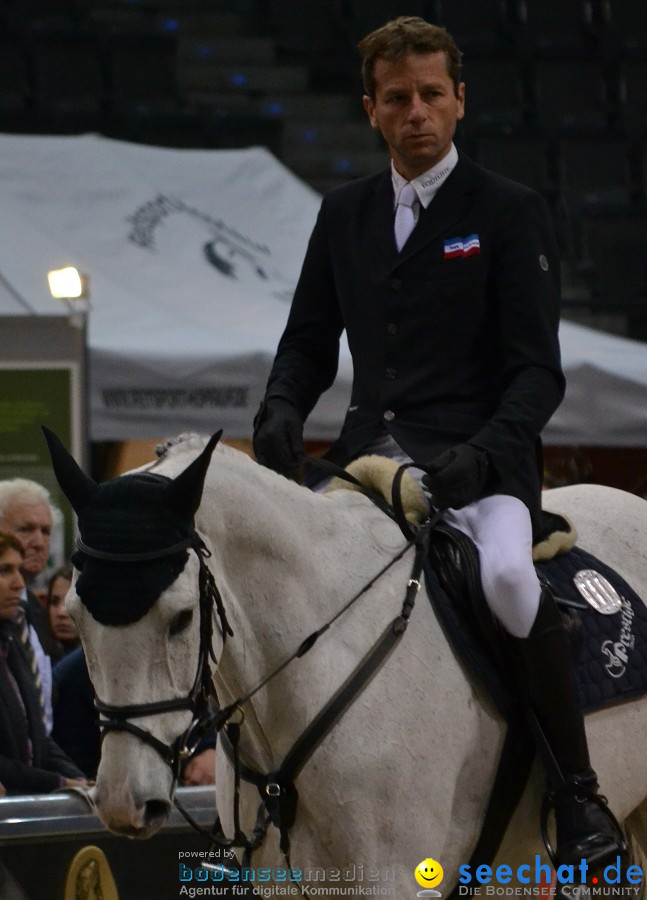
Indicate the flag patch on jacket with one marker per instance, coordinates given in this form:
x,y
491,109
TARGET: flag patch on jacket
x,y
467,246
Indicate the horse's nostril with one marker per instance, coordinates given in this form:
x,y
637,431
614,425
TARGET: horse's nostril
x,y
156,811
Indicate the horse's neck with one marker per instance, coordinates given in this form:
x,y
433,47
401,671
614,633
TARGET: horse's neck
x,y
285,561
272,537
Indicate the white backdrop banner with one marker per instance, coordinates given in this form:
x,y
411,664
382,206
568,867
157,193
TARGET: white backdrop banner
x,y
193,256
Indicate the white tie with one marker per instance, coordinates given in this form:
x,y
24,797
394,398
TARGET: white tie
x,y
404,217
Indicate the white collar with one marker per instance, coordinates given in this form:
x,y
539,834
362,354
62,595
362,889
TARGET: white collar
x,y
427,184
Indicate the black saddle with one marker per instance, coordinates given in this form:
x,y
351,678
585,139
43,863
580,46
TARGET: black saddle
x,y
610,653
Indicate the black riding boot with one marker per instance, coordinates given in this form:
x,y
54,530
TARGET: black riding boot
x,y
544,662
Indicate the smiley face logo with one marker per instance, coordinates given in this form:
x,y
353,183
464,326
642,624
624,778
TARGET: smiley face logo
x,y
428,874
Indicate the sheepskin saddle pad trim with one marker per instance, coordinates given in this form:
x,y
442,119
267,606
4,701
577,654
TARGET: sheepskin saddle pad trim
x,y
557,534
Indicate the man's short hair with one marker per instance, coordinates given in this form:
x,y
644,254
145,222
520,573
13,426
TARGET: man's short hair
x,y
407,34
22,491
10,542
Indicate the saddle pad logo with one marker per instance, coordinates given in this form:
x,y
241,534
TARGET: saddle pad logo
x,y
598,591
458,246
617,652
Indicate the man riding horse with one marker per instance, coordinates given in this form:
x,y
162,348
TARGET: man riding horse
x,y
446,279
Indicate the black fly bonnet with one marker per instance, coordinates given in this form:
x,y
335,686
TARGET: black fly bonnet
x,y
129,516
135,536
135,533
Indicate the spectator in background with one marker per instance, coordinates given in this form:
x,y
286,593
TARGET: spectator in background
x,y
201,769
76,720
62,628
26,512
30,761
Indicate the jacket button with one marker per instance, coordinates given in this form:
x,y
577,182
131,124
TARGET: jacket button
x,y
396,283
392,328
391,373
388,415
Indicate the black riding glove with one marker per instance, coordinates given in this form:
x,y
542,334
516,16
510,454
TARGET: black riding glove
x,y
457,476
278,436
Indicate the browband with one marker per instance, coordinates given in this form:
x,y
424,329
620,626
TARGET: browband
x,y
136,557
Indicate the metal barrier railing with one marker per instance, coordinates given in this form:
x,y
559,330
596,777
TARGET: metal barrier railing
x,y
53,845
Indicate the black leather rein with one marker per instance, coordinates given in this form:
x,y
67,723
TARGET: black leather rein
x,y
277,790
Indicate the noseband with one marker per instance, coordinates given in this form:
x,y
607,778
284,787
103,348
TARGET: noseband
x,y
116,718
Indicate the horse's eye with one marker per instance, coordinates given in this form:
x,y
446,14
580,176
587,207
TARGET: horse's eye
x,y
180,622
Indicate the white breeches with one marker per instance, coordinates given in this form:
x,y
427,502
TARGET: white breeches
x,y
501,530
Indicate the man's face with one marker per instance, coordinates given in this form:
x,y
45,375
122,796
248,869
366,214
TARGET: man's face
x,y
416,109
31,523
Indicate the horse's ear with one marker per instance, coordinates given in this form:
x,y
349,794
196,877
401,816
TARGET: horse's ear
x,y
184,493
75,484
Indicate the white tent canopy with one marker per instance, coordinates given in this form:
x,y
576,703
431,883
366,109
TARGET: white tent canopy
x,y
192,257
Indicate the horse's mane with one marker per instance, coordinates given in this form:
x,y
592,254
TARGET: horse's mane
x,y
183,443
376,472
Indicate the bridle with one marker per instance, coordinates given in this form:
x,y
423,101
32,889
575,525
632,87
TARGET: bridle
x,y
197,701
278,793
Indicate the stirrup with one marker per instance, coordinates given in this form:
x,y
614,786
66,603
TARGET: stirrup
x,y
579,790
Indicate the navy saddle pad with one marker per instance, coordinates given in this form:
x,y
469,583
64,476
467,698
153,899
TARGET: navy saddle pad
x,y
611,650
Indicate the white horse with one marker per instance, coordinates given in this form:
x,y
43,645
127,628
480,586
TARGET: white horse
x,y
406,773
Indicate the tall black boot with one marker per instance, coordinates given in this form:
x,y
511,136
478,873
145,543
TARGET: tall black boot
x,y
585,828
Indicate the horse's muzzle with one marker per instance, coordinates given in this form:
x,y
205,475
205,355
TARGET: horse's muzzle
x,y
132,817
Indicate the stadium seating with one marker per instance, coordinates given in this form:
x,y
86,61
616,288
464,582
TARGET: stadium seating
x,y
555,98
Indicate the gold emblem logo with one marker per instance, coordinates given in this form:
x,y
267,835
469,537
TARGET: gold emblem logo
x,y
89,877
